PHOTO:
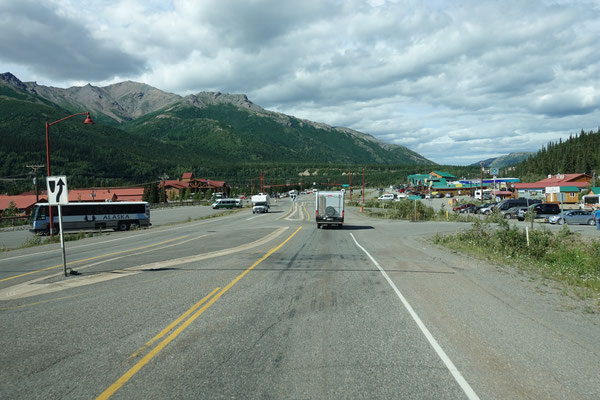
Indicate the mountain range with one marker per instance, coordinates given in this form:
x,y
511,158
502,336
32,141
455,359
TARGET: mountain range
x,y
211,126
507,160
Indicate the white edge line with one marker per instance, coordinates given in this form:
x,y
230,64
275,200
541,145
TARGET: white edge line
x,y
438,349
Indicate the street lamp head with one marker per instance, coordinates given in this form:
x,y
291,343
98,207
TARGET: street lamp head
x,y
88,120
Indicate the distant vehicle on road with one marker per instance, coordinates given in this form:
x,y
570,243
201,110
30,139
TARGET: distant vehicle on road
x,y
92,216
260,203
329,209
227,203
573,217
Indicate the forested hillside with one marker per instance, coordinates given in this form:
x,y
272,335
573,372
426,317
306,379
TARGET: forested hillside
x,y
90,155
228,133
580,153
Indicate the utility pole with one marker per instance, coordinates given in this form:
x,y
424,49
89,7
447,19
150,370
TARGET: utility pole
x,y
262,183
363,191
35,180
481,163
350,184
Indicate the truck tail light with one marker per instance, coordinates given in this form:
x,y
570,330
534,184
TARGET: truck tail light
x,y
316,213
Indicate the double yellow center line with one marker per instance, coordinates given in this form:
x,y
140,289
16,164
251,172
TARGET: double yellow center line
x,y
205,303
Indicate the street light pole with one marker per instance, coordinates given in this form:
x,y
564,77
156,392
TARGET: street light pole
x,y
87,121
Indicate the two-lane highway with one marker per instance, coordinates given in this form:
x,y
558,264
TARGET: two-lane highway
x,y
267,306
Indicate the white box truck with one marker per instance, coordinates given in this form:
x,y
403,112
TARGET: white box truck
x,y
329,208
260,203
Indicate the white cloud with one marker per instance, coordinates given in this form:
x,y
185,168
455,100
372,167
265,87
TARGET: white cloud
x,y
455,81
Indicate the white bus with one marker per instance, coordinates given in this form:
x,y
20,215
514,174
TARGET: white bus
x,y
86,216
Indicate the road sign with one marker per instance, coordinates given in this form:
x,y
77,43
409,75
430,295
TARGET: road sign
x,y
494,171
414,197
345,185
552,189
57,190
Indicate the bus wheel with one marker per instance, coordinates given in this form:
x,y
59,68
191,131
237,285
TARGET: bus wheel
x,y
123,226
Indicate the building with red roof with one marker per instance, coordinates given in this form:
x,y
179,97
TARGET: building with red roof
x,y
570,184
23,202
176,187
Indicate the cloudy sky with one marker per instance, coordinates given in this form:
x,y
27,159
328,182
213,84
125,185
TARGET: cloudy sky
x,y
457,81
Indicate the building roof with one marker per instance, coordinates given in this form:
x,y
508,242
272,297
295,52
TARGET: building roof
x,y
544,184
22,202
444,174
569,189
213,182
187,176
104,194
418,176
595,190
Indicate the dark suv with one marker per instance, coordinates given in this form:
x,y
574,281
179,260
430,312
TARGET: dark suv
x,y
542,210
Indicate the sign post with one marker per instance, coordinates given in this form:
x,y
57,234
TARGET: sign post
x,y
556,190
58,195
415,198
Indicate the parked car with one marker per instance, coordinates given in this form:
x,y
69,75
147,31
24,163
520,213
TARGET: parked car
x,y
541,211
573,217
462,207
520,202
387,196
512,212
448,195
439,195
486,208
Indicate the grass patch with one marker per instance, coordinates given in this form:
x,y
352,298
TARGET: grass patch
x,y
408,210
562,256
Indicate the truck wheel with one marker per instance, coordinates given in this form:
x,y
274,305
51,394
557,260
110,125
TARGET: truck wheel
x,y
318,226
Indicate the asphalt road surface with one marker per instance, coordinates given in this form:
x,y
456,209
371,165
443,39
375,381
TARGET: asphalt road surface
x,y
267,306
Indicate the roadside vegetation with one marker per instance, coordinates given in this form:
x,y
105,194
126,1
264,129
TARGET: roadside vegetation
x,y
408,210
562,256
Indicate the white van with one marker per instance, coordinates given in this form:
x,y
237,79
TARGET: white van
x,y
387,196
227,203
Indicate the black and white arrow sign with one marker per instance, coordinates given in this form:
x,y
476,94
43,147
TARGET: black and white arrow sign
x,y
57,190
